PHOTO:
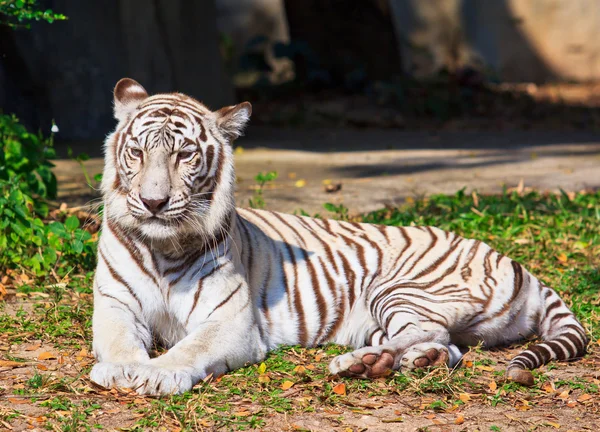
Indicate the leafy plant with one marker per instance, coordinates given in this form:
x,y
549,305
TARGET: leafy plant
x,y
40,248
25,158
28,240
262,179
17,13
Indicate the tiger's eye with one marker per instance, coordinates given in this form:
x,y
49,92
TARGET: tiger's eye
x,y
137,153
185,155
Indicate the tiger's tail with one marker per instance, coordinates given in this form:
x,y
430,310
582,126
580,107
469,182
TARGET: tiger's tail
x,y
563,338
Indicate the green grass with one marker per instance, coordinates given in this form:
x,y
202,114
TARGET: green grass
x,y
556,237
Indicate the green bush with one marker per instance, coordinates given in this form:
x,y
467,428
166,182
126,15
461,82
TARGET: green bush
x,y
28,241
16,13
25,158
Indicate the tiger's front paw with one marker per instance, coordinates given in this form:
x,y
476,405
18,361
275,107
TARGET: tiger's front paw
x,y
154,380
110,375
143,378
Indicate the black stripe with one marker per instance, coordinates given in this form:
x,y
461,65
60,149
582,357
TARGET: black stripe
x,y
226,300
116,276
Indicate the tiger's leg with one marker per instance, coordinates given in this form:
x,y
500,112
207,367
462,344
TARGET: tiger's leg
x,y
121,335
211,348
430,354
415,335
405,344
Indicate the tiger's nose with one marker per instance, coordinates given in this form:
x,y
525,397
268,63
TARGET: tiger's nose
x,y
154,205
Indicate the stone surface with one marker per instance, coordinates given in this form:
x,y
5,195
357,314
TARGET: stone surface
x,y
533,40
383,167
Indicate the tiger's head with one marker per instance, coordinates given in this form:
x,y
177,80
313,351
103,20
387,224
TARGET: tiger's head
x,y
168,169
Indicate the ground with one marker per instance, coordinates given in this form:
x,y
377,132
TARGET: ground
x,y
45,348
383,167
290,391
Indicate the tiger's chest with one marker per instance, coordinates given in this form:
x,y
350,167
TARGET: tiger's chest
x,y
191,291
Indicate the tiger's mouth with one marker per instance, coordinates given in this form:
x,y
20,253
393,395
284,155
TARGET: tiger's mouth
x,y
160,228
159,221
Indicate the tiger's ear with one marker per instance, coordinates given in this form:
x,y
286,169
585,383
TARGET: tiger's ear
x,y
128,95
231,120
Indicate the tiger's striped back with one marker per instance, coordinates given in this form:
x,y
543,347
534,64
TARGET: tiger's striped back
x,y
324,269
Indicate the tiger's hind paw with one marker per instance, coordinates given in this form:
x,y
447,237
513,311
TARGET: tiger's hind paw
x,y
424,355
367,362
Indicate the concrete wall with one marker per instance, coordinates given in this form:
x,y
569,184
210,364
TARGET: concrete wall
x,y
245,21
66,71
519,40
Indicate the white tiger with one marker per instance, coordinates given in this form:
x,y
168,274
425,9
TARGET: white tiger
x,y
221,286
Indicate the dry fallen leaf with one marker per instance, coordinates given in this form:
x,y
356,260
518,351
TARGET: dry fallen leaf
x,y
520,186
300,369
393,420
460,419
485,368
46,356
33,347
334,412
300,183
554,425
464,397
548,387
562,258
523,406
475,199
340,389
452,408
286,385
263,379
584,397
493,386
12,364
243,413
564,394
